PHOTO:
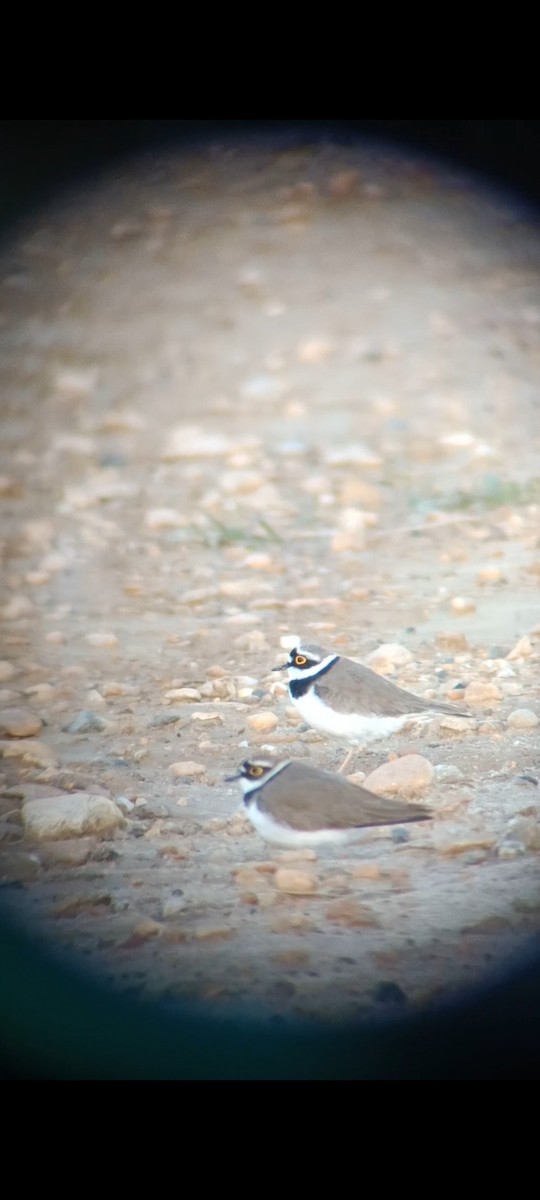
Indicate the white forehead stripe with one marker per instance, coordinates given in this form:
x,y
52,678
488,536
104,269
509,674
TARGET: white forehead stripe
x,y
307,672
250,785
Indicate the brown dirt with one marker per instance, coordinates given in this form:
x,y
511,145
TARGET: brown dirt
x,y
357,335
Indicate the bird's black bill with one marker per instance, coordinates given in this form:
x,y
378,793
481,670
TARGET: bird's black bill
x,y
283,667
231,778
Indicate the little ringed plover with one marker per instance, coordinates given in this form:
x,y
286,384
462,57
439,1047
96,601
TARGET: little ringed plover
x,y
291,803
340,697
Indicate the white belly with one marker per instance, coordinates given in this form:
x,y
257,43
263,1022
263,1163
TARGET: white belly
x,y
281,836
349,727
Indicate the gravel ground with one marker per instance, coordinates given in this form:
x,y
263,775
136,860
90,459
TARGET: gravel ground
x,y
251,395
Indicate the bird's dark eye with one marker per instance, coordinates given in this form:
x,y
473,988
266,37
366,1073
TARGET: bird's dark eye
x,y
300,660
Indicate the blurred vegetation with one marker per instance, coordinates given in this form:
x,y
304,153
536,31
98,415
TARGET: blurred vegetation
x,y
492,492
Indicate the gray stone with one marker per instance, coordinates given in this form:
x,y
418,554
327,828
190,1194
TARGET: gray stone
x,y
84,722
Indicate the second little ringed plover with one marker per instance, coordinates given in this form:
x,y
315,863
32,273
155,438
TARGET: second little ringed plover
x,y
348,701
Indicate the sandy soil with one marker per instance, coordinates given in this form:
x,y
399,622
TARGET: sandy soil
x,y
252,393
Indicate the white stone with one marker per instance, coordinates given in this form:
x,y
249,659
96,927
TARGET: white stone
x,y
522,649
107,640
462,604
189,441
75,815
186,769
523,718
164,518
388,656
186,695
447,773
353,455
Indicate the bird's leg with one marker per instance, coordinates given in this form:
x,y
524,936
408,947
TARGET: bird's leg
x,y
349,755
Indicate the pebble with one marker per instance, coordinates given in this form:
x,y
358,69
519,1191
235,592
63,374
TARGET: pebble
x,y
263,721
341,544
164,518
74,815
478,692
186,769
457,724
71,852
167,718
291,958
301,854
7,671
293,922
42,692
315,350
354,455
262,387
247,877
387,657
404,776
75,384
189,441
32,751
523,718
213,933
343,183
489,575
366,871
125,804
106,640
185,694
455,838
18,606
388,992
525,831
173,906
208,718
261,562
18,723
450,640
358,491
447,773
36,578
298,883
254,642
522,649
351,914
84,722
462,604
17,866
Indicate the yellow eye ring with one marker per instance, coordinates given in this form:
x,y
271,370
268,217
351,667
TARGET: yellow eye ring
x,y
255,770
300,660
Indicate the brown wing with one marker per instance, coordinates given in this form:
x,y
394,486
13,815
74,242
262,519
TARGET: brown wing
x,y
308,799
355,688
